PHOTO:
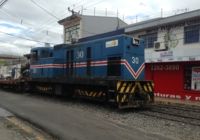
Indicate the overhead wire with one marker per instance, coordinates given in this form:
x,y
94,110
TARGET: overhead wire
x,y
41,26
74,6
3,2
49,21
26,23
24,38
87,5
14,16
152,15
52,15
49,13
98,2
44,9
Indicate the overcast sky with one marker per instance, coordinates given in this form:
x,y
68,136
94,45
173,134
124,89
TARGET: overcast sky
x,y
29,23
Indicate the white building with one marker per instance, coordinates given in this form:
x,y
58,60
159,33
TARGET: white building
x,y
172,54
81,26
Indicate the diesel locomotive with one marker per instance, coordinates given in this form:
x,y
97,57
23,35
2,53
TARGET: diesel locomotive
x,y
109,69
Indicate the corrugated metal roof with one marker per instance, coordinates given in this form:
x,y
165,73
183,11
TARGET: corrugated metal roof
x,y
162,21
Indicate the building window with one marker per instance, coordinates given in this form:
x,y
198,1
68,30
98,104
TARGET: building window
x,y
149,40
187,77
72,32
191,34
34,56
192,77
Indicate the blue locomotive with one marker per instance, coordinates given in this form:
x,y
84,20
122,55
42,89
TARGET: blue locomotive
x,y
108,69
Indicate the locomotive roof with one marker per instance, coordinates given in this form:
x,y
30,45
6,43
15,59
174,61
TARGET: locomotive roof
x,y
42,48
100,39
62,46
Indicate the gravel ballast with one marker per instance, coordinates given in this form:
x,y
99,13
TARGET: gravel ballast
x,y
134,118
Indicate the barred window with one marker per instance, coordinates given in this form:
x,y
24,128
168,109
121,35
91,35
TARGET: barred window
x,y
191,34
149,40
72,32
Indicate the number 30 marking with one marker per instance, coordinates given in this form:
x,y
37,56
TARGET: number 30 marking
x,y
135,60
80,54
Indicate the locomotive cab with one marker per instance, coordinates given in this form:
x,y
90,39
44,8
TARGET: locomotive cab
x,y
39,57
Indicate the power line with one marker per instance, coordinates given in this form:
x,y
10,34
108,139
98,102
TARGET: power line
x,y
54,15
44,9
152,15
89,5
24,38
3,2
48,12
14,17
76,5
95,3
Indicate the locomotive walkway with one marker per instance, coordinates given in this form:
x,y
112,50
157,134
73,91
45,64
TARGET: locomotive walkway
x,y
68,122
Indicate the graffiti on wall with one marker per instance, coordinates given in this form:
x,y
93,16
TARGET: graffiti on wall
x,y
171,40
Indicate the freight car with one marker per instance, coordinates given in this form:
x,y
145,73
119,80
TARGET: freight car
x,y
14,76
109,69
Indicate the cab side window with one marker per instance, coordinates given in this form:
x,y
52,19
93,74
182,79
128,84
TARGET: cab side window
x,y
114,66
34,56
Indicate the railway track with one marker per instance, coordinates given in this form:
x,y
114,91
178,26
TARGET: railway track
x,y
182,114
180,107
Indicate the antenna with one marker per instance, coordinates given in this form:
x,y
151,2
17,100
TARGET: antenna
x,y
117,20
72,11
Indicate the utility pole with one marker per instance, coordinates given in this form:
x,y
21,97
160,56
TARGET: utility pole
x,y
94,10
117,20
82,10
136,18
161,12
106,12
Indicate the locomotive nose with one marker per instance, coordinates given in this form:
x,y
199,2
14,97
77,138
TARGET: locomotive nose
x,y
134,94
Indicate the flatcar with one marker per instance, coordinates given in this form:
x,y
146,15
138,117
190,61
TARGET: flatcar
x,y
109,69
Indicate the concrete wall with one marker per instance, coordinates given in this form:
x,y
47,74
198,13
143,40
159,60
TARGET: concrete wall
x,y
177,50
92,25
